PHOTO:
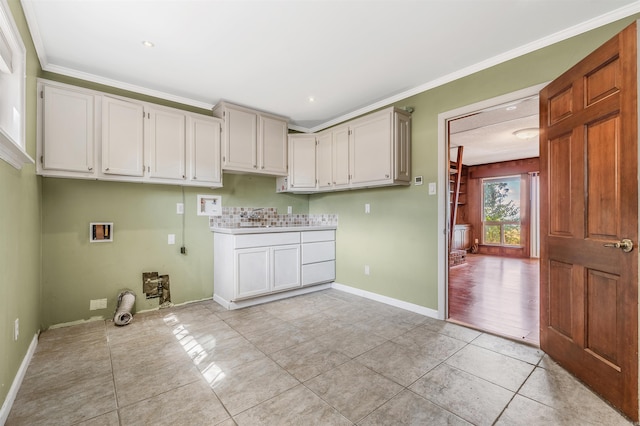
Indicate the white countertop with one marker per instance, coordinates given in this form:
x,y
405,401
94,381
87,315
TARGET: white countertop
x,y
270,229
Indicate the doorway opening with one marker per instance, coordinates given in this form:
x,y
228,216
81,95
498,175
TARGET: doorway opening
x,y
491,263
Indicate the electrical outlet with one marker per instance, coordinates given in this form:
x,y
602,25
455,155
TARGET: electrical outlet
x,y
366,269
171,239
432,188
367,208
179,208
289,209
16,329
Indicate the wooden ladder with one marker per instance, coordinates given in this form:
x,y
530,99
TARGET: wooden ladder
x,y
455,173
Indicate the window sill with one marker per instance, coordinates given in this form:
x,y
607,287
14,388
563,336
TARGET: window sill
x,y
12,153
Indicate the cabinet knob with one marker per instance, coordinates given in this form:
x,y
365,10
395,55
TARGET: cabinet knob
x,y
183,176
90,168
255,167
195,178
387,176
106,170
329,183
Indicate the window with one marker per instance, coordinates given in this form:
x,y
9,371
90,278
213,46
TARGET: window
x,y
501,211
13,65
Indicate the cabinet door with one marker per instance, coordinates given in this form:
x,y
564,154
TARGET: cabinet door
x,y
286,267
204,140
252,269
240,141
303,161
122,137
340,157
272,145
68,133
324,160
402,147
371,149
166,144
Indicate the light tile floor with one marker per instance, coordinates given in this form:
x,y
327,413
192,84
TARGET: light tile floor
x,y
327,358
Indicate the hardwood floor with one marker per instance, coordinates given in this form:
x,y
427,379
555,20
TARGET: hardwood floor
x,y
497,294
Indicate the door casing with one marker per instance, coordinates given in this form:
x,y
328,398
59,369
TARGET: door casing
x,y
443,179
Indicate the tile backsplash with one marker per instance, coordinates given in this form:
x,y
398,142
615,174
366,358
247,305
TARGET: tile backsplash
x,y
238,217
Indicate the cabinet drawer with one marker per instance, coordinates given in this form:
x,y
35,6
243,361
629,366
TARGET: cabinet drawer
x,y
318,252
319,272
273,239
315,236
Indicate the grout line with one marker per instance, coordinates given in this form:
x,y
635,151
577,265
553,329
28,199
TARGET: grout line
x,y
113,375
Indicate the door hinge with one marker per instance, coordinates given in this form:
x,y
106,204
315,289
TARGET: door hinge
x,y
350,132
224,158
42,94
41,159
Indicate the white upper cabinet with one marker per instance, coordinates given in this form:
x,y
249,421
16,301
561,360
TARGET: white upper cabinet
x,y
272,145
333,159
92,135
166,144
324,155
67,136
302,149
122,137
253,141
371,152
240,148
374,150
204,136
340,158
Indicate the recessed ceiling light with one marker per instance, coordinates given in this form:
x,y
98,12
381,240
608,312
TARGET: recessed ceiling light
x,y
311,99
511,108
147,43
528,133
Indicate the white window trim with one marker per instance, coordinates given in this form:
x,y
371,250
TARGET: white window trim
x,y
11,150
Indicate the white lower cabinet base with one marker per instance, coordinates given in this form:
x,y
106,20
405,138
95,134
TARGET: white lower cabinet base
x,y
258,267
238,304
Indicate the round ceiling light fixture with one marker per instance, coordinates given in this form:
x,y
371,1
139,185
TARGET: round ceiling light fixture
x,y
528,133
147,43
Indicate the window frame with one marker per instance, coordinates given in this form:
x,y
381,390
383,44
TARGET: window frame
x,y
502,223
13,135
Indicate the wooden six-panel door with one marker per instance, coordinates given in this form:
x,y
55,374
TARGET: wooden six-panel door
x,y
589,199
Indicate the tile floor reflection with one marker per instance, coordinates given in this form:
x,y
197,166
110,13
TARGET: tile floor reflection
x,y
326,358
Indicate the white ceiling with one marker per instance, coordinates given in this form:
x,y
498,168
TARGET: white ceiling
x,y
351,56
487,136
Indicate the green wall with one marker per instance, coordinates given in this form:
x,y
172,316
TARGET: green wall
x,y
75,271
20,211
50,271
398,238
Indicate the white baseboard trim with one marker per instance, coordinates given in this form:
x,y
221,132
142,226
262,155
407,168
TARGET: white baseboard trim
x,y
17,381
432,313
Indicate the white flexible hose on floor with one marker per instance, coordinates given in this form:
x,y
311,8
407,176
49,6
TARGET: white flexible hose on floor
x,y
123,315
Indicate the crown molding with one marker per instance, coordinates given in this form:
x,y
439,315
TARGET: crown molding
x,y
559,36
126,86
